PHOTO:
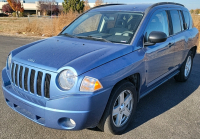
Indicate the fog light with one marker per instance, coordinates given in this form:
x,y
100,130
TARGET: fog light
x,y
72,121
67,123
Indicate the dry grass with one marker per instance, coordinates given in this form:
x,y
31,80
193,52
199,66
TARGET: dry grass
x,y
50,27
12,25
196,20
36,26
47,26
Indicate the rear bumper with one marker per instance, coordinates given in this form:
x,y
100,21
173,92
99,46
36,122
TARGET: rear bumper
x,y
85,110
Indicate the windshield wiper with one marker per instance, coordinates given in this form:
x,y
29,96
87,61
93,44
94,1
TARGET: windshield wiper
x,y
69,35
93,38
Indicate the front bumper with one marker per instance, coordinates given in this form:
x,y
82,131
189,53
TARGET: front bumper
x,y
85,110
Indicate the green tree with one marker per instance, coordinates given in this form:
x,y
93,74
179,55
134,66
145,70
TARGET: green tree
x,y
74,5
192,11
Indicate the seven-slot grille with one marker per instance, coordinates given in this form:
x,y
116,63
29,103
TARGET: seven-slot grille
x,y
33,81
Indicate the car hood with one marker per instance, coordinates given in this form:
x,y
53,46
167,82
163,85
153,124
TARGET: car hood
x,y
57,52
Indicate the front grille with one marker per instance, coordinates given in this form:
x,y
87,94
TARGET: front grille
x,y
46,84
39,82
16,73
31,80
26,79
20,76
12,71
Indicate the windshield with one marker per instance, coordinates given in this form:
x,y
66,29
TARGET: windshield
x,y
116,27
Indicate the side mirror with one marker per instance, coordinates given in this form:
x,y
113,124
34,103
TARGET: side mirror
x,y
156,37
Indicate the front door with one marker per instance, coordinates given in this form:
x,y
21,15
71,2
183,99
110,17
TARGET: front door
x,y
159,57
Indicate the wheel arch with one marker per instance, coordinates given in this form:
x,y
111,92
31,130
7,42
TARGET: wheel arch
x,y
135,79
194,50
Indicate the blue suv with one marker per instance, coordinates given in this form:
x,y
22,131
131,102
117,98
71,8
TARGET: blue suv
x,y
98,68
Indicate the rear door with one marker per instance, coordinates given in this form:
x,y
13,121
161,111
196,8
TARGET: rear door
x,y
159,57
180,36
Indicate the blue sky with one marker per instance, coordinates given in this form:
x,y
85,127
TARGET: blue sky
x,y
190,4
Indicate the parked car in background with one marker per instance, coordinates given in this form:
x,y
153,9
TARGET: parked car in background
x,y
98,68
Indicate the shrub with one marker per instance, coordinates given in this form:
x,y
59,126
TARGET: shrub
x,y
14,14
49,26
21,14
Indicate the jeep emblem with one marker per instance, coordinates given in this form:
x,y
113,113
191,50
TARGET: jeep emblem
x,y
31,60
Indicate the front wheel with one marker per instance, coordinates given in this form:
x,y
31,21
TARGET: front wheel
x,y
120,109
185,69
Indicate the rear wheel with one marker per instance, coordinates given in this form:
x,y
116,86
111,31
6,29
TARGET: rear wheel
x,y
120,109
185,69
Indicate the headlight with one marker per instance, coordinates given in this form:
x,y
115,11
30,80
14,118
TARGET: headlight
x,y
67,79
90,84
9,61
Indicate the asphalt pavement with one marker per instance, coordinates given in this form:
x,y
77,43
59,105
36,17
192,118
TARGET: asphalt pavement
x,y
170,111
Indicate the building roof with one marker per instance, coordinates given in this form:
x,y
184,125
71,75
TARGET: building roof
x,y
34,5
27,6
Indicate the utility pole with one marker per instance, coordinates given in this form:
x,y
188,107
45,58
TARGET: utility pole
x,y
51,19
51,8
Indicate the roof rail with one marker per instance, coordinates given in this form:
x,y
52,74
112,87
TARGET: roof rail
x,y
162,3
111,4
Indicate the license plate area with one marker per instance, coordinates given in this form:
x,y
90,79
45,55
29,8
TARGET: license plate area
x,y
25,110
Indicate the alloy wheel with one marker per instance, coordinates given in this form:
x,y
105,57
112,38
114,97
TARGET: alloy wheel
x,y
122,108
188,66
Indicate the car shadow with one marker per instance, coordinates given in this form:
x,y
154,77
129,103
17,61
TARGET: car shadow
x,y
164,97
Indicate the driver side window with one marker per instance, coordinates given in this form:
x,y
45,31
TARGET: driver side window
x,y
158,22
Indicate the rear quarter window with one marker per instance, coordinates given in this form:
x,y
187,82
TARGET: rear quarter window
x,y
191,21
175,21
187,18
181,19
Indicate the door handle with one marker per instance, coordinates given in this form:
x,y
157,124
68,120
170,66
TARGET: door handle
x,y
170,44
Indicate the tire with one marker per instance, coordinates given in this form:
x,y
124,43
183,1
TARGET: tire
x,y
185,69
109,122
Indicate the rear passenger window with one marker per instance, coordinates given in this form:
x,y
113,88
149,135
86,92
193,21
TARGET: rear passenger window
x,y
181,19
158,22
175,21
187,19
191,22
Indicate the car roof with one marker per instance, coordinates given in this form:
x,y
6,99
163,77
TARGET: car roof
x,y
133,7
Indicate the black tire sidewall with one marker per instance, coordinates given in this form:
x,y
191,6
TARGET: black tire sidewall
x,y
125,86
181,76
